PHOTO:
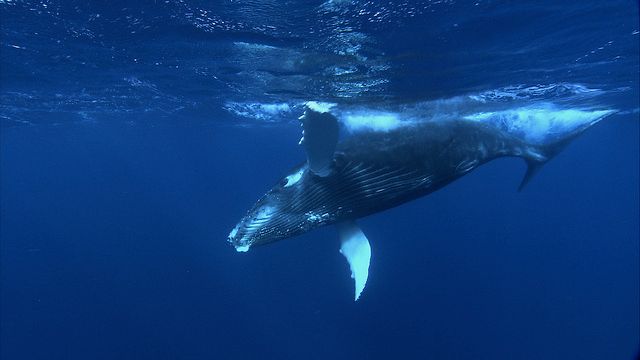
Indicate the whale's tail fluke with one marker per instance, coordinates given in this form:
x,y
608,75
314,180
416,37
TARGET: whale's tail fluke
x,y
544,131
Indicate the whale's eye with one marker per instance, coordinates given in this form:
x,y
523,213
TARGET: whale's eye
x,y
284,182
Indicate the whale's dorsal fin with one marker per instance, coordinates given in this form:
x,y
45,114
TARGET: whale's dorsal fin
x,y
533,167
319,138
355,247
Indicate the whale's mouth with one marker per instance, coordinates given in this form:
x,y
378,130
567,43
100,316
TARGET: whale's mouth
x,y
241,237
250,227
242,248
239,242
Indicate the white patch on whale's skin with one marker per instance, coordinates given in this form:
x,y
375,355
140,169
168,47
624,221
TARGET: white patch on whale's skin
x,y
243,248
295,177
482,149
263,216
250,227
233,232
321,107
537,124
317,218
232,235
373,121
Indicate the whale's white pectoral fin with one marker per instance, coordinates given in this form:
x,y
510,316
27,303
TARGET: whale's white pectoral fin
x,y
320,137
355,247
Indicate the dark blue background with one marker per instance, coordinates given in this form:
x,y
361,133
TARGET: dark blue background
x,y
120,180
114,247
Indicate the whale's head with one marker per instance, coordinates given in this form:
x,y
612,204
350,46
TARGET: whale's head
x,y
277,215
299,202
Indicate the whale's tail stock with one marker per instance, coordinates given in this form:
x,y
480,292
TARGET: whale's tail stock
x,y
545,131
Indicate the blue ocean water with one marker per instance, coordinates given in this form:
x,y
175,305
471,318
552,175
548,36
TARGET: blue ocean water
x,y
134,136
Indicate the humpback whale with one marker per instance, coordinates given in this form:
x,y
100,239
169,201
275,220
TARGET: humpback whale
x,y
377,169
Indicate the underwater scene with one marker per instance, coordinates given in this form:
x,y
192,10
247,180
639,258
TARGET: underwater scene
x,y
330,179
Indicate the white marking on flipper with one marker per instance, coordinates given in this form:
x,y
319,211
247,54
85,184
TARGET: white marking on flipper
x,y
355,247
